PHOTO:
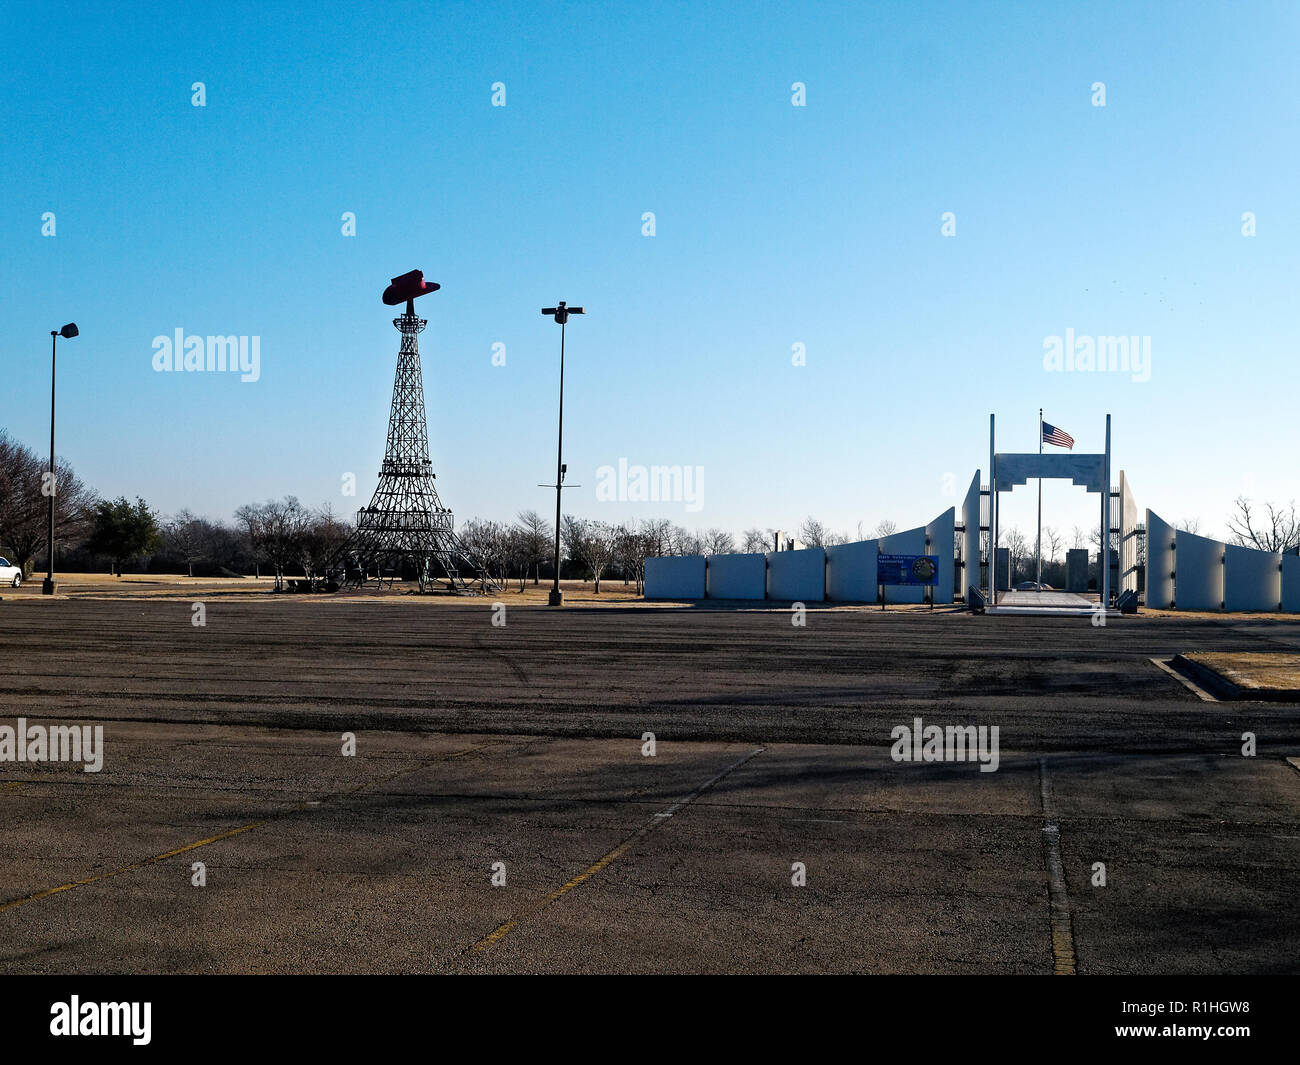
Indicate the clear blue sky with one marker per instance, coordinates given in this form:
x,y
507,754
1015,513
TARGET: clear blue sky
x,y
776,225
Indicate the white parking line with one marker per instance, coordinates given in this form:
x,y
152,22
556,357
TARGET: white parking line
x,y
1059,901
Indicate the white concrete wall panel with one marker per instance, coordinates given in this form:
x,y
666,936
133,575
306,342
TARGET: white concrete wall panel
x,y
970,551
797,576
1198,572
942,536
1128,535
737,576
1252,579
1160,562
851,572
675,578
911,542
1291,584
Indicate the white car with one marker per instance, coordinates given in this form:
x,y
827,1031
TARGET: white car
x,y
10,575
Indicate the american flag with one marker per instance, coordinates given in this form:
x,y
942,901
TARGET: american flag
x,y
1059,437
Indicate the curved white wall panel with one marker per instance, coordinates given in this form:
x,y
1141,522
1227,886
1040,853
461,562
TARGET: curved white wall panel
x,y
1128,536
1160,562
942,537
970,551
1252,580
1198,572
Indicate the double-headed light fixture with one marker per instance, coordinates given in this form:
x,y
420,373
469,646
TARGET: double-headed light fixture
x,y
561,315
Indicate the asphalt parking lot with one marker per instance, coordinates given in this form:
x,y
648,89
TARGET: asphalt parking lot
x,y
517,753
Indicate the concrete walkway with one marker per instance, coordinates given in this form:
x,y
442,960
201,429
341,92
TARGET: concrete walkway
x,y
1043,603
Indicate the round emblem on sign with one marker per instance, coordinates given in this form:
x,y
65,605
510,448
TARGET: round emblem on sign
x,y
923,569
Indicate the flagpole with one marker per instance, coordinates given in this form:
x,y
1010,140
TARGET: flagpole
x,y
1039,549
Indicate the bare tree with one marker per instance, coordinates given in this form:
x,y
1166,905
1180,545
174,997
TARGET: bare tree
x,y
536,539
756,540
490,543
685,542
188,537
320,544
1017,546
658,535
813,533
1053,541
25,489
522,551
1276,529
630,553
719,542
1191,525
592,543
276,529
885,528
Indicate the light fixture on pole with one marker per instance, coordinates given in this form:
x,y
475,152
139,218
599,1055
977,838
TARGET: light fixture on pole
x,y
561,315
67,332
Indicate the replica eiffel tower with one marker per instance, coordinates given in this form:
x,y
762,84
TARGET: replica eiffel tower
x,y
406,524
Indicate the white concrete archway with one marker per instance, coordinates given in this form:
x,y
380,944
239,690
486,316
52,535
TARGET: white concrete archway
x,y
1009,469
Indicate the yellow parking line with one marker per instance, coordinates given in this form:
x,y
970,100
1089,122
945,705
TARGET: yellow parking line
x,y
222,835
510,925
129,868
501,931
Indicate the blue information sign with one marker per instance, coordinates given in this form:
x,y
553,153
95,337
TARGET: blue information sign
x,y
907,569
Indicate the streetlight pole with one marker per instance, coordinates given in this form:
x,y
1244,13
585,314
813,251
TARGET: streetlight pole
x,y
561,314
68,332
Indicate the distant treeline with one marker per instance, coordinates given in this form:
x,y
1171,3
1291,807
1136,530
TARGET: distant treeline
x,y
284,538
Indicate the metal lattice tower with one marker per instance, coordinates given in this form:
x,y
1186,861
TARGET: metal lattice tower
x,y
406,521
